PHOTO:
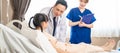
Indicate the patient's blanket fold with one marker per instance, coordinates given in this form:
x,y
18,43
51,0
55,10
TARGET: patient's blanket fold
x,y
13,42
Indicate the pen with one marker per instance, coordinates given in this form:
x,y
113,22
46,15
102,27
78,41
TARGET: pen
x,y
80,17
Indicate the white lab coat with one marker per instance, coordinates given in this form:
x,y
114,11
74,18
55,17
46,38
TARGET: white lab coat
x,y
61,28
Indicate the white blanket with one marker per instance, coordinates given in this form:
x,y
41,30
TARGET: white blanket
x,y
12,42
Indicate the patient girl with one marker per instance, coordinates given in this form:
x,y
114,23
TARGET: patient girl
x,y
50,45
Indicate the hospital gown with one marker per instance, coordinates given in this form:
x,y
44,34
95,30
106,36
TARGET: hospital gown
x,y
71,48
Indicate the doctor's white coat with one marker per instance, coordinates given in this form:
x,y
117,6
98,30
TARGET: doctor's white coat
x,y
61,28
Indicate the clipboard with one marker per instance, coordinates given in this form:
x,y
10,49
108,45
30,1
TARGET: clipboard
x,y
87,18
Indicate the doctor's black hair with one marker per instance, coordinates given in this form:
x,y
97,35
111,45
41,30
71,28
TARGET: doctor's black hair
x,y
63,2
37,20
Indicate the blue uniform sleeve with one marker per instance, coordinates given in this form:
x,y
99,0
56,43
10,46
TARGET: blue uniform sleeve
x,y
70,15
93,18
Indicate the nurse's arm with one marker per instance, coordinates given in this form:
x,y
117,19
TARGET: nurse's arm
x,y
73,23
89,25
86,25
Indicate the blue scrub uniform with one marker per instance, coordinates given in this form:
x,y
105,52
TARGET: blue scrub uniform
x,y
79,34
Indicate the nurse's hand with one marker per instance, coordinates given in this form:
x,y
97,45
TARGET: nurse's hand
x,y
82,24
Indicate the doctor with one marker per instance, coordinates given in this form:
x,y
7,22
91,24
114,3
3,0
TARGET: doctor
x,y
57,20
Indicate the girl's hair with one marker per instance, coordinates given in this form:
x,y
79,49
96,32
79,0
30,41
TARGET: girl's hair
x,y
37,20
86,1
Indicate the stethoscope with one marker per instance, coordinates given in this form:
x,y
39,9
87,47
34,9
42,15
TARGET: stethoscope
x,y
49,14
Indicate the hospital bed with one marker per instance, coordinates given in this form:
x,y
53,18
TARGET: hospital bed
x,y
16,40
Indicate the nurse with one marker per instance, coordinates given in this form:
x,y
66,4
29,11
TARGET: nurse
x,y
57,26
80,31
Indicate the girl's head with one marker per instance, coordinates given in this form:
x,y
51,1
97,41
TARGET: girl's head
x,y
83,3
39,21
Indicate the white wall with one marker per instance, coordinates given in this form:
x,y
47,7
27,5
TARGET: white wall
x,y
36,6
106,12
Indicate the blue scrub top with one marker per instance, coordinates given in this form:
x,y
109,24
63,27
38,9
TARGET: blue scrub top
x,y
79,34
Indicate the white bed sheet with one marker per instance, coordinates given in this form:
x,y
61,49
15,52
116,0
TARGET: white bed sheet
x,y
113,51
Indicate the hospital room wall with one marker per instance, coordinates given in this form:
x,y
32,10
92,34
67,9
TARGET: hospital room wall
x,y
6,13
106,12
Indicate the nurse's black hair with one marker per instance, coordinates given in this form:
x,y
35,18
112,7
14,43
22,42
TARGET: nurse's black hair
x,y
37,20
63,2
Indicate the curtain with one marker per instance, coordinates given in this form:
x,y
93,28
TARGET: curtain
x,y
0,10
19,8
